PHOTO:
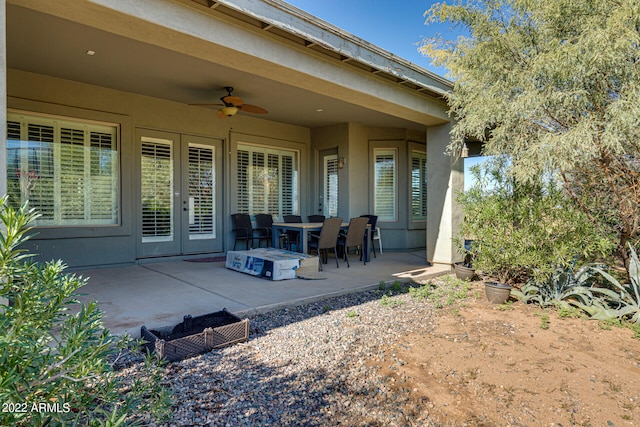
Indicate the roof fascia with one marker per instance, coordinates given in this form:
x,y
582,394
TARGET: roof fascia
x,y
288,18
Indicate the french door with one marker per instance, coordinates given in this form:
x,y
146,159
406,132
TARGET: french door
x,y
180,194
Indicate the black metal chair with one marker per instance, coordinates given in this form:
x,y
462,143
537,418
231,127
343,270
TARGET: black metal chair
x,y
243,229
354,237
328,239
292,237
316,218
264,230
374,232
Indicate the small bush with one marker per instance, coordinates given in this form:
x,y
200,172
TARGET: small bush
x,y
622,300
387,300
523,229
55,352
564,288
444,291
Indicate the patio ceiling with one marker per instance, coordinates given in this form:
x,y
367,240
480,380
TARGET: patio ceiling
x,y
49,45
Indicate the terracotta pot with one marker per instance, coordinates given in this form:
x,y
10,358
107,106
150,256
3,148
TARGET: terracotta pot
x,y
464,273
497,293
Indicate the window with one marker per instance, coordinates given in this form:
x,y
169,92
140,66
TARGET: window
x,y
418,186
385,184
331,185
267,181
67,169
202,200
156,166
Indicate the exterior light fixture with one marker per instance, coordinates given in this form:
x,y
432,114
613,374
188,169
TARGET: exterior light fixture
x,y
465,151
341,162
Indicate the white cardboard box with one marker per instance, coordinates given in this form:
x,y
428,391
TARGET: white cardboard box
x,y
270,263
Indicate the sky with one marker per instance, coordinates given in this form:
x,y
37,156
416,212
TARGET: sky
x,y
397,26
394,25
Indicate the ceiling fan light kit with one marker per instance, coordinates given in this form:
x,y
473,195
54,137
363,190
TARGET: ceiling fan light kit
x,y
232,104
229,111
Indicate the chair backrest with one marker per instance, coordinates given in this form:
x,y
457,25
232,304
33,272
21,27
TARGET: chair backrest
x,y
355,233
329,233
373,220
242,225
292,218
264,220
316,218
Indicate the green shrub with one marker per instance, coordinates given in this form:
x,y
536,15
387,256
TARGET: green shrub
x,y
564,288
623,300
443,291
55,354
522,229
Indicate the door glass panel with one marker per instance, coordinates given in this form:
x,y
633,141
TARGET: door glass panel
x,y
331,185
157,190
202,224
385,185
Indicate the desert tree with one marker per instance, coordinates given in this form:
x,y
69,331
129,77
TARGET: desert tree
x,y
555,86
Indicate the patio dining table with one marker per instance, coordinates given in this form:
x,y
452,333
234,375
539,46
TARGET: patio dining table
x,y
305,228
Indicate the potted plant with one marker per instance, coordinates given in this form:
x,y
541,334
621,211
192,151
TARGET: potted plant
x,y
497,293
464,270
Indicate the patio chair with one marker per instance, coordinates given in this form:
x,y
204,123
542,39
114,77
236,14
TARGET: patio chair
x,y
328,239
264,223
374,233
316,218
292,237
354,238
242,229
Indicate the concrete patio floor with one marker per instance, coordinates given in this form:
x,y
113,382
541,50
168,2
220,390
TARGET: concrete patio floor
x,y
159,294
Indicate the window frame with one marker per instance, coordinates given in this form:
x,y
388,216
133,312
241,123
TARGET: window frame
x,y
386,150
422,155
254,150
75,228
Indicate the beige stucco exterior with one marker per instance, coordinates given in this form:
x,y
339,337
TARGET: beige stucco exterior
x,y
173,46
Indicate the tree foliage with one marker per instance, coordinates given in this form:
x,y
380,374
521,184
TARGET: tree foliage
x,y
55,355
525,229
556,86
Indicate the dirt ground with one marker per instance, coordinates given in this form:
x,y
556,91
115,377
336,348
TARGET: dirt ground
x,y
487,365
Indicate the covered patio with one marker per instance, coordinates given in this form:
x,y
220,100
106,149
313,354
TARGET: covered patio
x,y
159,294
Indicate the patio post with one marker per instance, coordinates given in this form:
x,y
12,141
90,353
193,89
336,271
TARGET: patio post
x,y
445,177
3,98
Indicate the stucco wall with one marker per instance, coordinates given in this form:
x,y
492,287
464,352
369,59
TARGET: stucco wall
x,y
356,143
3,97
86,246
114,245
445,177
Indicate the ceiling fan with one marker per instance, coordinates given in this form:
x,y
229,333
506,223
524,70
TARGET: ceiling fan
x,y
232,104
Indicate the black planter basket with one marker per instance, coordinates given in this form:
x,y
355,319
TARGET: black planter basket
x,y
196,335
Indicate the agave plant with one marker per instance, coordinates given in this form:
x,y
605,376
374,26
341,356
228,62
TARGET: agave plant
x,y
624,299
563,288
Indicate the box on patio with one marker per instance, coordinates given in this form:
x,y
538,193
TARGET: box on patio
x,y
270,263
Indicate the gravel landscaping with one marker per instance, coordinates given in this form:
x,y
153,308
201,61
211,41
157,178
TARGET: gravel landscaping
x,y
424,356
308,365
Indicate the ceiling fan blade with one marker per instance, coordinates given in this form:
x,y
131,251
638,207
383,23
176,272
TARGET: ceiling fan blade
x,y
233,100
221,115
208,105
253,109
